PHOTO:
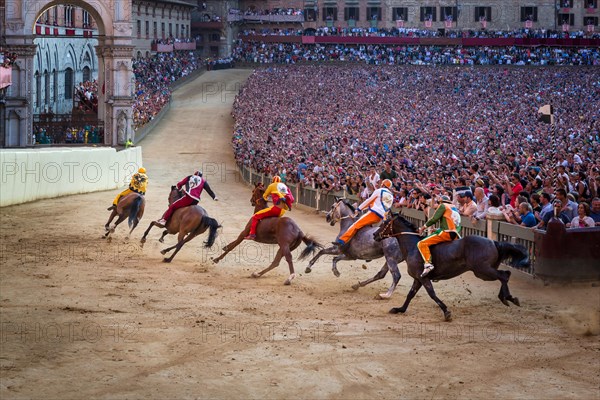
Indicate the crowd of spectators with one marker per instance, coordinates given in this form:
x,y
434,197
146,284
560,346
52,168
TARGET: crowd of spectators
x,y
423,33
152,79
272,11
473,133
292,53
173,40
87,95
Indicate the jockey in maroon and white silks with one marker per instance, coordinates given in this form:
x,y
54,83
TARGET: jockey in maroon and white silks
x,y
192,187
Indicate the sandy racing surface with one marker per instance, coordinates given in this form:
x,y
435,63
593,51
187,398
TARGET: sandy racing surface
x,y
83,318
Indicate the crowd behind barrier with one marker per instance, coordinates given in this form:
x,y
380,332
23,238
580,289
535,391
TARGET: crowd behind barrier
x,y
422,33
292,53
323,201
152,79
471,133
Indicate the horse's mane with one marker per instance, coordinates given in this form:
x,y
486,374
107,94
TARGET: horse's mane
x,y
350,206
406,222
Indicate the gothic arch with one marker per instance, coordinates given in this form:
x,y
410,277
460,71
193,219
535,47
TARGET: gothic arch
x,y
113,19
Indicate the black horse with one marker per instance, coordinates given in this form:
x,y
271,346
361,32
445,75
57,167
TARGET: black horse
x,y
471,253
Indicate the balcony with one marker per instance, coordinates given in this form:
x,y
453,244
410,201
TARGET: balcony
x,y
207,25
237,17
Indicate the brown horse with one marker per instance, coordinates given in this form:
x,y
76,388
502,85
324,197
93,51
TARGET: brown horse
x,y
130,206
282,231
189,222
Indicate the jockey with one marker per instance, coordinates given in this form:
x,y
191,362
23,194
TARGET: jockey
x,y
449,230
138,184
192,187
282,200
379,203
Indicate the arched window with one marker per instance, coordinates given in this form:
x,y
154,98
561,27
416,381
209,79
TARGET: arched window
x,y
86,74
55,85
46,88
68,83
38,90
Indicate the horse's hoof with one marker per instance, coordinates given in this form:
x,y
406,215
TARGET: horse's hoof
x,y
163,252
382,296
255,275
287,282
161,240
505,302
397,310
307,270
356,286
109,239
447,316
336,273
143,240
516,302
166,260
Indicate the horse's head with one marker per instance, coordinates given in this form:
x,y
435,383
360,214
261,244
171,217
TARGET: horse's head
x,y
257,193
339,210
394,226
174,195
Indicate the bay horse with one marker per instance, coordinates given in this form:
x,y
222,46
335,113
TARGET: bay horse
x,y
282,231
188,222
480,255
130,206
362,247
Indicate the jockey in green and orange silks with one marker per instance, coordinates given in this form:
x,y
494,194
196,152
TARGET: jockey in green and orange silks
x,y
282,201
449,230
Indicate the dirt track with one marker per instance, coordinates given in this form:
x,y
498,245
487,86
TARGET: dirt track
x,y
82,318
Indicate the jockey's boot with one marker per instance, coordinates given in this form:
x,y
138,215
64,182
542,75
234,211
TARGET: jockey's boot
x,y
161,222
112,207
427,268
250,237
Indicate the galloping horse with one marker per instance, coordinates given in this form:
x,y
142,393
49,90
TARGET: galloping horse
x,y
130,206
361,247
189,222
451,259
282,231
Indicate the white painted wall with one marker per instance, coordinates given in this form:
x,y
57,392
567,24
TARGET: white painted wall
x,y
34,174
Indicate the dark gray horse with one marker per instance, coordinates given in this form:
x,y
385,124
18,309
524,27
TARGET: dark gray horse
x,y
361,247
480,255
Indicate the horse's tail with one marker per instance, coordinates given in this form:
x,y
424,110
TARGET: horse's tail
x,y
517,253
311,246
213,226
134,210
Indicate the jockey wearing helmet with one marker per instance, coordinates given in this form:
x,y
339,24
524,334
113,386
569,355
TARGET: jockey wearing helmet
x,y
379,204
282,201
138,184
192,187
449,230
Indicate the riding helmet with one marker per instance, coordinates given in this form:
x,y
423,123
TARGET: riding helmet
x,y
386,183
277,179
198,173
142,170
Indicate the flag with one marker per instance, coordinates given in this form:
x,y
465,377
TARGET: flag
x,y
5,77
546,114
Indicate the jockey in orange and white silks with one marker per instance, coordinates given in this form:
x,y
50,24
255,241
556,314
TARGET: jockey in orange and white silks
x,y
282,201
138,184
379,204
192,187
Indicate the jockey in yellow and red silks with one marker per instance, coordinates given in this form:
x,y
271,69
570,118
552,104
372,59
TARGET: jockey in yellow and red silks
x,y
282,201
138,184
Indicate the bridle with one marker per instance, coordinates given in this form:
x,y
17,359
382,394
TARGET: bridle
x,y
336,207
388,226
